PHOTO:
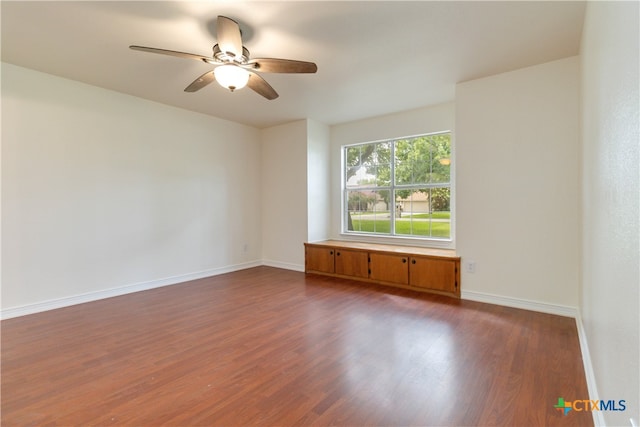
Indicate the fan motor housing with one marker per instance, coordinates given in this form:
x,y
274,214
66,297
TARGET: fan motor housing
x,y
230,57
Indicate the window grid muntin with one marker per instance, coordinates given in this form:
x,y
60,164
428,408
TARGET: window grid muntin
x,y
392,188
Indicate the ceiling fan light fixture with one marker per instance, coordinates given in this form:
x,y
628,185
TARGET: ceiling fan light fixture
x,y
233,69
231,76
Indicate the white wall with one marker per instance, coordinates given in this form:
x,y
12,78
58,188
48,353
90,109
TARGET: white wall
x,y
611,253
420,121
518,184
102,190
318,181
284,195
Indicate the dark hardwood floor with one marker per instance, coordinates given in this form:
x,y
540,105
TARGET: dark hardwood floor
x,y
273,347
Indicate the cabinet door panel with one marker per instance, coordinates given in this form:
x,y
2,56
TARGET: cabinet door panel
x,y
389,268
433,273
319,259
352,263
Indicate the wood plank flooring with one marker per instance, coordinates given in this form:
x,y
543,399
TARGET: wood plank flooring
x,y
273,347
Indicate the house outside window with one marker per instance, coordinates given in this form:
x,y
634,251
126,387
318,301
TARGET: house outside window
x,y
399,187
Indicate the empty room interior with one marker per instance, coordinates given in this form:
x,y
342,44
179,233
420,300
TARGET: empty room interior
x,y
285,213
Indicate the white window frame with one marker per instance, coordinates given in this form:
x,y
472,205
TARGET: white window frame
x,y
426,241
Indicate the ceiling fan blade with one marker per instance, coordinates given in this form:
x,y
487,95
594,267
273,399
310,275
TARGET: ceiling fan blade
x,y
229,36
201,82
274,65
175,53
261,86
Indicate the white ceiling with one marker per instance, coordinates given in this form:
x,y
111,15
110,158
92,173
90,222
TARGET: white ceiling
x,y
373,57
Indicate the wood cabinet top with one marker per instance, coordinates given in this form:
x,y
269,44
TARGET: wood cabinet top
x,y
397,249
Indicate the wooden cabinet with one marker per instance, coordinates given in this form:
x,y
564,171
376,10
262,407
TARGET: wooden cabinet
x,y
389,268
434,273
351,262
423,269
319,259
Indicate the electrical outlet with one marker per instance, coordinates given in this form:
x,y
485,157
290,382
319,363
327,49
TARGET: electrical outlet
x,y
470,266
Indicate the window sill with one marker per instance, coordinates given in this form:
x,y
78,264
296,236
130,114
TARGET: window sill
x,y
397,240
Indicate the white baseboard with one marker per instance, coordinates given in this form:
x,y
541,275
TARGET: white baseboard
x,y
283,265
543,307
598,416
38,307
8,313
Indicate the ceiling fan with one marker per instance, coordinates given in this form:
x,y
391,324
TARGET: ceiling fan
x,y
234,69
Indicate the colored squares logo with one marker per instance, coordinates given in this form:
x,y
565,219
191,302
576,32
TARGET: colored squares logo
x,y
563,406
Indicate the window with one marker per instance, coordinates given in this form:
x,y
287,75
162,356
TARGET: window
x,y
400,187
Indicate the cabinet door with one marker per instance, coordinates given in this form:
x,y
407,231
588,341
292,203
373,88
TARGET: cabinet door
x,y
319,258
434,273
352,263
389,268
